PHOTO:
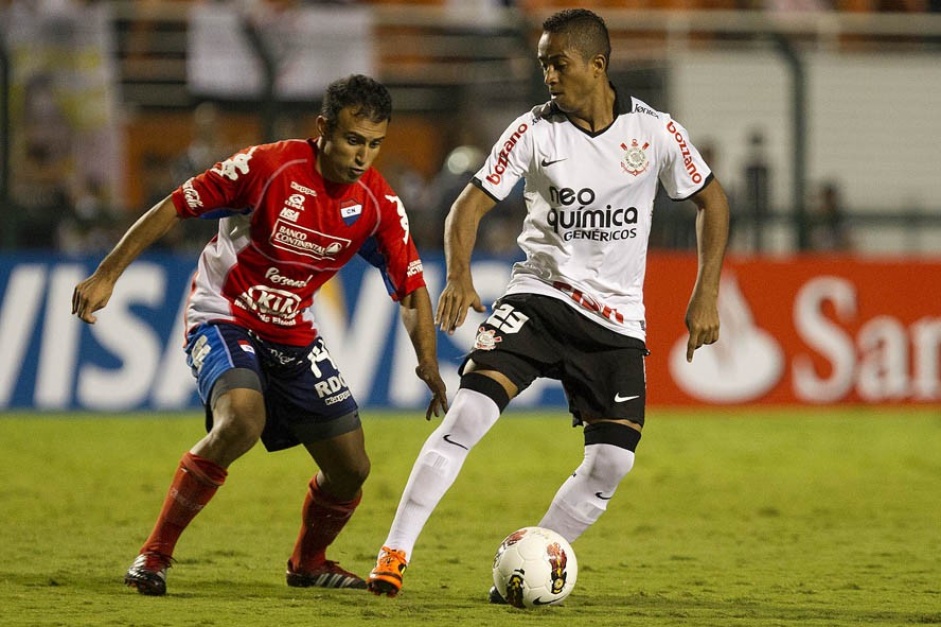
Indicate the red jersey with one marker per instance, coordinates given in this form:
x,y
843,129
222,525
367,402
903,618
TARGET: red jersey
x,y
283,232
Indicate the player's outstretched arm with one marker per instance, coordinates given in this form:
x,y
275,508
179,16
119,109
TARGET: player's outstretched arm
x,y
94,292
460,235
418,322
712,234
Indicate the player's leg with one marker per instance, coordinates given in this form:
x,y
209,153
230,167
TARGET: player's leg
x,y
511,350
313,405
332,497
584,496
232,389
476,407
605,383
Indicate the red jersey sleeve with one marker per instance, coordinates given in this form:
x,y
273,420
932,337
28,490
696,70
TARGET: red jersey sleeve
x,y
226,188
392,249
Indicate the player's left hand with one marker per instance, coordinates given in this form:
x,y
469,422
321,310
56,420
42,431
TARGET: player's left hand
x,y
702,321
439,393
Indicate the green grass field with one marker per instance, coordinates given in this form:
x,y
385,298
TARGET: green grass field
x,y
744,517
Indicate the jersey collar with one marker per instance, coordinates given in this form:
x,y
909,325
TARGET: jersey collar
x,y
621,106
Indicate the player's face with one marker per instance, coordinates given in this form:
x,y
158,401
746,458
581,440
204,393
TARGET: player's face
x,y
572,80
349,150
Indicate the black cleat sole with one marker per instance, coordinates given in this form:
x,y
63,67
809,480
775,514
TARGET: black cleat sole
x,y
380,588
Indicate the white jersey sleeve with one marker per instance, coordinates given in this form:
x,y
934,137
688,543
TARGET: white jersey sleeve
x,y
683,171
509,160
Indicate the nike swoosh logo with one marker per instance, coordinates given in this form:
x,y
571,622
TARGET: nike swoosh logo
x,y
603,497
546,163
539,601
621,399
447,438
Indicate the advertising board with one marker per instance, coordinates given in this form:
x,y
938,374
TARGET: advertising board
x,y
803,330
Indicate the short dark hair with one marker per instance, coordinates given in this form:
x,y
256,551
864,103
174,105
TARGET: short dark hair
x,y
586,30
368,98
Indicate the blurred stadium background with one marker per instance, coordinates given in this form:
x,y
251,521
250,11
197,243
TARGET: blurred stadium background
x,y
820,117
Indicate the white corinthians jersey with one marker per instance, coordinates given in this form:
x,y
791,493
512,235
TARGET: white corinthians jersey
x,y
589,200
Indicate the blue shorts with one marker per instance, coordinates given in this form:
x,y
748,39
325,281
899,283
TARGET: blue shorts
x,y
306,398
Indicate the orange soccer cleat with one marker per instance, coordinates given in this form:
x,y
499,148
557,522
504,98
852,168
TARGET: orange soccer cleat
x,y
386,577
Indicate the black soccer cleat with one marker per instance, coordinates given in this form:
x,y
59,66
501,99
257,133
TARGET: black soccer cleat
x,y
328,575
148,574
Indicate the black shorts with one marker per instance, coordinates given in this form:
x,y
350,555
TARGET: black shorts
x,y
530,336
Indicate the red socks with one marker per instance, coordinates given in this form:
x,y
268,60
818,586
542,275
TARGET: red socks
x,y
323,518
194,484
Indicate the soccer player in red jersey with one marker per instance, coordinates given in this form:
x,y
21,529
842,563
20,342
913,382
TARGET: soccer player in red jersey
x,y
291,214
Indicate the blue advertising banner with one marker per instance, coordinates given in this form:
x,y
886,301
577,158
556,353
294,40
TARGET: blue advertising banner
x,y
132,358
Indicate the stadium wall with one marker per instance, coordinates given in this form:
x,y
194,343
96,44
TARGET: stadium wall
x,y
802,330
867,130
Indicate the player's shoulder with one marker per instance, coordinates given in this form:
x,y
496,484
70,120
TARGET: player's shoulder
x,y
286,149
635,111
633,106
548,112
272,155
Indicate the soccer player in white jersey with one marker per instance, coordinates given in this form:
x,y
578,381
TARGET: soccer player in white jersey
x,y
291,214
592,159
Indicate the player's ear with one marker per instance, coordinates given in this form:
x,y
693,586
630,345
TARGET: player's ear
x,y
321,126
600,63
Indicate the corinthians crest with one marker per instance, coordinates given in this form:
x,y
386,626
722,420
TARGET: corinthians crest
x,y
486,340
635,159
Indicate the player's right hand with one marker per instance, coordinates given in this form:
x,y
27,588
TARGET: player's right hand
x,y
456,298
89,296
438,405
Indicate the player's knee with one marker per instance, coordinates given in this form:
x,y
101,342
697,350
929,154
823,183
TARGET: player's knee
x,y
343,481
612,463
357,473
470,417
236,436
489,387
610,446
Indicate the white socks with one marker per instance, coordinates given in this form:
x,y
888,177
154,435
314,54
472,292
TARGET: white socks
x,y
579,502
469,418
584,496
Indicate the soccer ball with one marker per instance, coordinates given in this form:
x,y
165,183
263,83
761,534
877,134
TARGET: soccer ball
x,y
534,566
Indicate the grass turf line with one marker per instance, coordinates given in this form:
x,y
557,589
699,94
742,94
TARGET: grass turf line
x,y
751,517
